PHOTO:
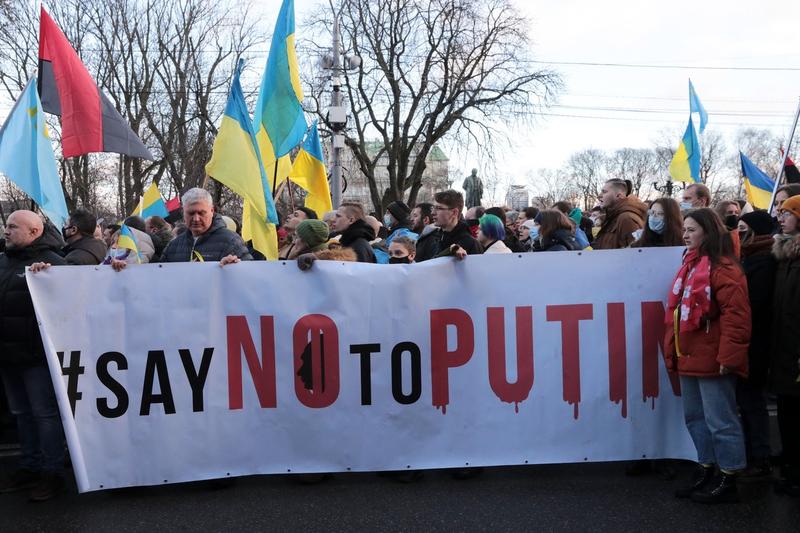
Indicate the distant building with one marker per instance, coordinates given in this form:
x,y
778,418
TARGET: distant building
x,y
517,197
434,177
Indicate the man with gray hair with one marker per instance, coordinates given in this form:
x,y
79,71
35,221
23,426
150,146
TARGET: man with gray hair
x,y
207,238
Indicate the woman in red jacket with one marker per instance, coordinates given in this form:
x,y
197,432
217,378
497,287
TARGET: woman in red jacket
x,y
708,333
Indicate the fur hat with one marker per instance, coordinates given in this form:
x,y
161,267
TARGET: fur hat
x,y
759,221
399,210
314,233
792,205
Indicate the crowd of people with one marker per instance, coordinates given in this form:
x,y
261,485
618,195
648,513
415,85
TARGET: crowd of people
x,y
732,328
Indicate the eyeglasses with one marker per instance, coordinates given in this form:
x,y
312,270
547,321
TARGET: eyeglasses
x,y
784,214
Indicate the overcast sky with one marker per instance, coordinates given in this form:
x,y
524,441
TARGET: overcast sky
x,y
610,107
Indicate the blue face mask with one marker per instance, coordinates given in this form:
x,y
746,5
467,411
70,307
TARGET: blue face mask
x,y
656,224
534,233
686,205
387,220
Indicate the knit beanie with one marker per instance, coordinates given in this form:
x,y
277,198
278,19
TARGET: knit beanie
x,y
399,210
576,215
759,221
314,233
492,227
792,205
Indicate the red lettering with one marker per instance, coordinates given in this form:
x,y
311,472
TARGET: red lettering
x,y
617,356
652,343
443,360
570,317
263,372
318,334
510,392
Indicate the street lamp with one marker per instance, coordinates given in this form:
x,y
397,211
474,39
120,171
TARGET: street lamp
x,y
337,113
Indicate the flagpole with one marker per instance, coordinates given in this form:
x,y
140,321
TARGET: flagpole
x,y
785,157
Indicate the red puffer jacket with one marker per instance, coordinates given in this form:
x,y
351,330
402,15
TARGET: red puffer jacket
x,y
724,336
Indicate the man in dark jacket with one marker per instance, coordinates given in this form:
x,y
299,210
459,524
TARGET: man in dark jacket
x,y
452,232
23,366
207,238
82,248
355,233
623,216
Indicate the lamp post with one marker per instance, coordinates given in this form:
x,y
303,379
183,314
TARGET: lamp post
x,y
337,113
667,188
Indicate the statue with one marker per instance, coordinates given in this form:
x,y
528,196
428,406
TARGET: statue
x,y
473,187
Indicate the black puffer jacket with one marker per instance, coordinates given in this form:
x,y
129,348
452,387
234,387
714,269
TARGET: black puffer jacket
x,y
20,340
759,268
439,242
85,251
784,370
213,245
357,237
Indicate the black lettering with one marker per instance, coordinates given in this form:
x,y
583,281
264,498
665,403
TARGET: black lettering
x,y
397,373
365,351
156,363
112,385
197,379
73,373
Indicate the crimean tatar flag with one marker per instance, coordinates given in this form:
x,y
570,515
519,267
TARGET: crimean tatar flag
x,y
236,159
152,204
278,120
127,241
26,155
308,171
758,185
685,165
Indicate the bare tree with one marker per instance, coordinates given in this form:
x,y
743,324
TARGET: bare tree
x,y
432,70
552,185
586,169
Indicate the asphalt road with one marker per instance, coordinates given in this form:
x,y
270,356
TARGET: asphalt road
x,y
582,497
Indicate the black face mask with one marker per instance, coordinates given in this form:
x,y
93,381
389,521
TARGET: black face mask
x,y
399,260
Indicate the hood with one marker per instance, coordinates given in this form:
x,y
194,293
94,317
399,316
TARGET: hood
x,y
428,230
217,223
631,204
786,247
95,247
357,230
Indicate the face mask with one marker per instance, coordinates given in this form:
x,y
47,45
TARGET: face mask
x,y
387,220
656,224
399,260
686,206
534,233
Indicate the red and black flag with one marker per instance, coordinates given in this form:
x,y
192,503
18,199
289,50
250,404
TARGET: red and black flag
x,y
89,121
791,172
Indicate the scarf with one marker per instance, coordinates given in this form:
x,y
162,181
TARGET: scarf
x,y
691,292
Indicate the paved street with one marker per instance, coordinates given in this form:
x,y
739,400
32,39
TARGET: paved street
x,y
583,497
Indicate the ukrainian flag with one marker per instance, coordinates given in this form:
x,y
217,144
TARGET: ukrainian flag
x,y
685,165
758,185
308,171
279,121
127,241
151,204
235,158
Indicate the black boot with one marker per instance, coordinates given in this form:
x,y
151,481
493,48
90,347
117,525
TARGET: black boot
x,y
701,477
723,490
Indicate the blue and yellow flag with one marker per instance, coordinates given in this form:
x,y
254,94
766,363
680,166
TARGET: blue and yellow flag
x,y
309,172
236,159
685,165
127,241
758,185
696,107
27,158
278,120
152,204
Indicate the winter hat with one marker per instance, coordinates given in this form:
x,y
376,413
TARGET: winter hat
x,y
399,210
492,227
314,233
792,205
759,221
576,215
530,224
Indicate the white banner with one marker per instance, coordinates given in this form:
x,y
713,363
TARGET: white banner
x,y
181,372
